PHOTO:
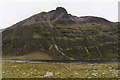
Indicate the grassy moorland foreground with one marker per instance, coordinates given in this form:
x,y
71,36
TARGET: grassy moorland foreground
x,y
59,70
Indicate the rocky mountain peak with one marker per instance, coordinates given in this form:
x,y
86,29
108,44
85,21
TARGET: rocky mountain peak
x,y
61,9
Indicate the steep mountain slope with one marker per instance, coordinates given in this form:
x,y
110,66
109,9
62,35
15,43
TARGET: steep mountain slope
x,y
62,36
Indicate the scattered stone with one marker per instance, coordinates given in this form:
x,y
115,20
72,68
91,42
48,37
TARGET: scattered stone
x,y
86,70
111,70
89,77
57,74
94,74
17,70
76,73
48,74
13,66
91,64
103,73
24,73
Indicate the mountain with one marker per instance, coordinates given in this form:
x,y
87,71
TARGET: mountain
x,y
57,35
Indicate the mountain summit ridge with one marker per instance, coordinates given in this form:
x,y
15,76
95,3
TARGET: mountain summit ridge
x,y
61,10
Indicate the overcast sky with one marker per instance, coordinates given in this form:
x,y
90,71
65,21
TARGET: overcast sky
x,y
13,11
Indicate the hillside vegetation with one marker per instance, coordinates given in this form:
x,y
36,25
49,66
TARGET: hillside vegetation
x,y
62,36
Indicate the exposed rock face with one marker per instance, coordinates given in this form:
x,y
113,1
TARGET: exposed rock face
x,y
62,36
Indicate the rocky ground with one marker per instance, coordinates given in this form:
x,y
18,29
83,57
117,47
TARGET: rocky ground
x,y
59,70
